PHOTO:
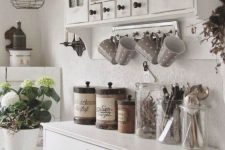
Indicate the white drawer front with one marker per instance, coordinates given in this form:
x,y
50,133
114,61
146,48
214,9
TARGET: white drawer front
x,y
54,141
158,6
76,12
123,8
139,7
109,10
95,12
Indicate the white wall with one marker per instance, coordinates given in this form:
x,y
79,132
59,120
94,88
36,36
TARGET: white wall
x,y
30,24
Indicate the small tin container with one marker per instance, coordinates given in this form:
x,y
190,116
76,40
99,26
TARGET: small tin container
x,y
126,115
106,106
85,105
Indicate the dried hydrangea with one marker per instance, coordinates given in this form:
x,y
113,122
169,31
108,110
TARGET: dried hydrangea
x,y
26,84
5,86
45,81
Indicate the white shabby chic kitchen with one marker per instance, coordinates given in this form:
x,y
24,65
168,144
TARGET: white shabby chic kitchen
x,y
112,74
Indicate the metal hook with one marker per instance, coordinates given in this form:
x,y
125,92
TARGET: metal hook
x,y
146,68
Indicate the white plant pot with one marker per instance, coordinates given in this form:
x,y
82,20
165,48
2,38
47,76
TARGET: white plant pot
x,y
22,140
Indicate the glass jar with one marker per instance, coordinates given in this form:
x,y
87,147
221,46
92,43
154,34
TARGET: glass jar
x,y
147,95
194,127
168,121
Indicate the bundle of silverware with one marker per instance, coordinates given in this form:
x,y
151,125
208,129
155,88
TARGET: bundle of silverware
x,y
168,121
194,117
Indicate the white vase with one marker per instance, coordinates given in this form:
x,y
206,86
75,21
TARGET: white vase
x,y
22,140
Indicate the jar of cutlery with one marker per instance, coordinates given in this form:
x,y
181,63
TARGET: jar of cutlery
x,y
194,127
85,105
168,115
147,96
106,106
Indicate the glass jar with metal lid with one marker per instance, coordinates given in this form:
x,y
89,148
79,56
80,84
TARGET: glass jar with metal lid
x,y
85,105
106,106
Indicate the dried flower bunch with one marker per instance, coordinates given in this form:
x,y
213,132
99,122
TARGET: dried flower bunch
x,y
214,30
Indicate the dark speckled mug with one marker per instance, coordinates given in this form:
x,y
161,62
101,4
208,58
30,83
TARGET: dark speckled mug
x,y
148,47
108,49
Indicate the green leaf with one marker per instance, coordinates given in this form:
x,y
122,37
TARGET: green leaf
x,y
32,103
44,116
30,92
54,95
46,104
20,105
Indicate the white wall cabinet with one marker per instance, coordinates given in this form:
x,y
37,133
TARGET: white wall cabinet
x,y
123,8
76,11
139,7
109,11
159,6
95,12
148,10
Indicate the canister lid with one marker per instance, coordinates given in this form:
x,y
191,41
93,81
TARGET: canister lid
x,y
84,89
128,101
110,90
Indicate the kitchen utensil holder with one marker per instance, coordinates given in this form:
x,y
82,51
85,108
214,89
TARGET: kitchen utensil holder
x,y
77,44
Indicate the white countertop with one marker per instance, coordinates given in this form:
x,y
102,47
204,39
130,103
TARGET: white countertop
x,y
107,138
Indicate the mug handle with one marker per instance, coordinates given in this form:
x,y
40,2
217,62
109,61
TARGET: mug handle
x,y
114,40
157,40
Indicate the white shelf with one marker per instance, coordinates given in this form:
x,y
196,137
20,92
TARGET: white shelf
x,y
107,138
134,19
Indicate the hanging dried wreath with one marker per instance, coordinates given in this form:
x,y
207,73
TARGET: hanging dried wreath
x,y
214,31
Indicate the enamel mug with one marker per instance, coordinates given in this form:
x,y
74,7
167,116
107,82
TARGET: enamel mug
x,y
171,48
126,50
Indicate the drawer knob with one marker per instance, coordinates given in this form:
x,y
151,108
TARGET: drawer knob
x,y
120,7
106,9
137,5
92,12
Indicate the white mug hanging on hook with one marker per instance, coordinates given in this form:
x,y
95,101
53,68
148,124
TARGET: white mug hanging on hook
x,y
126,50
171,48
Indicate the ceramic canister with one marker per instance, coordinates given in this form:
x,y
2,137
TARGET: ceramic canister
x,y
85,105
106,106
126,115
20,58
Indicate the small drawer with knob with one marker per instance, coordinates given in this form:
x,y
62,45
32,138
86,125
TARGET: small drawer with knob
x,y
109,10
139,7
123,8
95,12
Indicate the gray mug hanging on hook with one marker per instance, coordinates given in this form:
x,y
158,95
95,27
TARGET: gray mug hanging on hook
x,y
149,46
108,49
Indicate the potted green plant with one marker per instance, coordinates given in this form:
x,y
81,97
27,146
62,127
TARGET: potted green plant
x,y
23,110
